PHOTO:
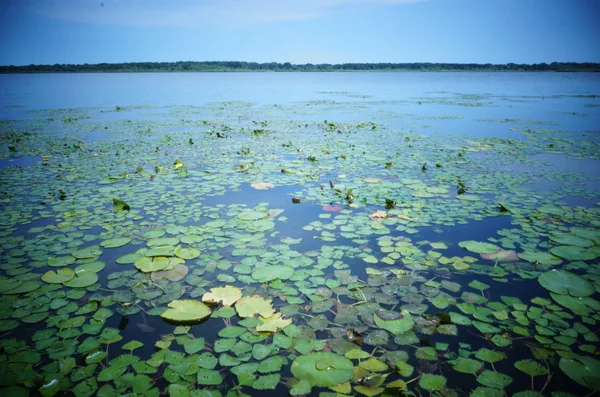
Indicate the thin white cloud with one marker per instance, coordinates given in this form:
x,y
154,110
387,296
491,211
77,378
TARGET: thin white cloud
x,y
196,14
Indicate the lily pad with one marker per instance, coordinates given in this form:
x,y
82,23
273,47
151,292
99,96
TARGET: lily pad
x,y
574,253
431,382
115,242
564,282
82,279
268,273
228,295
396,323
583,370
248,306
338,370
58,277
186,310
479,247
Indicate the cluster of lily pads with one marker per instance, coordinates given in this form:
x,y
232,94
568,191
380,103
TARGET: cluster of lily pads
x,y
229,256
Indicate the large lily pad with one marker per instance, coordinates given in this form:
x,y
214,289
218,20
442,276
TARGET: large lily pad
x,y
564,282
186,310
268,273
248,306
396,323
574,253
583,370
323,369
479,247
228,295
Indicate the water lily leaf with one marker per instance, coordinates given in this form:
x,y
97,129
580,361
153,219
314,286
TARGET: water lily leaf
x,y
542,258
564,282
467,365
146,264
574,253
208,377
268,273
486,392
340,369
186,310
120,205
266,382
82,279
271,364
373,365
248,306
300,388
531,368
494,379
578,305
479,247
132,345
394,322
252,215
176,274
489,356
571,239
187,253
86,253
59,261
431,382
115,242
583,370
228,295
59,276
274,323
369,391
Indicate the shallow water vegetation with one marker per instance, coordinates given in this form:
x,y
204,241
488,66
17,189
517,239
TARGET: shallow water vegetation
x,y
392,278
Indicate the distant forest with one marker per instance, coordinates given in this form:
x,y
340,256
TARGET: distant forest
x,y
234,66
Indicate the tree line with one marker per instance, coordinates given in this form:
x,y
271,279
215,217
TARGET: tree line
x,y
237,66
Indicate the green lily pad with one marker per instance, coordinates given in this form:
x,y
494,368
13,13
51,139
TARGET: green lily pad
x,y
86,253
571,239
583,370
494,379
542,258
269,273
394,322
186,310
115,242
531,368
467,365
248,306
479,247
60,261
120,205
339,369
82,279
227,295
431,382
574,253
187,253
58,277
564,282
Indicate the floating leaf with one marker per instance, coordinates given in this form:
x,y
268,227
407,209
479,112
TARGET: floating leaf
x,y
339,370
82,279
467,365
59,276
248,306
583,370
431,382
115,242
227,295
396,323
187,253
268,273
120,205
262,185
479,247
494,379
574,253
542,258
274,323
531,368
186,310
564,282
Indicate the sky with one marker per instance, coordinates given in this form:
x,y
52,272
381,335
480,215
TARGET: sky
x,y
299,31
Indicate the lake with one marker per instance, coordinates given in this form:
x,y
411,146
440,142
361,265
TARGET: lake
x,y
325,234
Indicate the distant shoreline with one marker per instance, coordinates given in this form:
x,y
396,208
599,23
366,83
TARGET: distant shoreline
x,y
234,66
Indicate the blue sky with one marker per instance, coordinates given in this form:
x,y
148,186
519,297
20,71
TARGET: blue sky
x,y
299,31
